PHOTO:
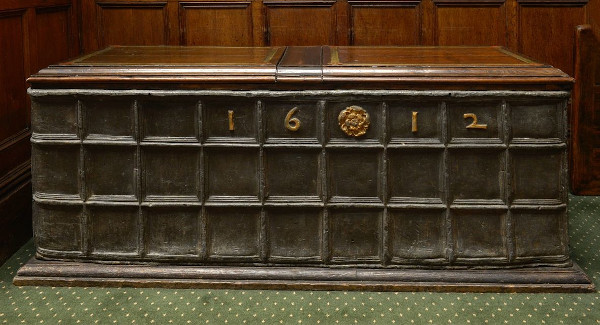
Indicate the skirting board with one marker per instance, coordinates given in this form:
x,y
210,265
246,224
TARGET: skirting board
x,y
541,279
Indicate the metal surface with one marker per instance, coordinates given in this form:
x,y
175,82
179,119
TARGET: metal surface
x,y
173,176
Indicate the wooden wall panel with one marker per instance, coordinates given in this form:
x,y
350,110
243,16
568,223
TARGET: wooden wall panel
x,y
221,23
53,36
13,97
475,24
300,23
142,23
547,33
33,34
385,23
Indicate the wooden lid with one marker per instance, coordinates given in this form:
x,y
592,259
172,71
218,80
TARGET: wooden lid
x,y
327,67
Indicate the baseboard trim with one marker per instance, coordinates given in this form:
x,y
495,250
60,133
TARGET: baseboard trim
x,y
541,279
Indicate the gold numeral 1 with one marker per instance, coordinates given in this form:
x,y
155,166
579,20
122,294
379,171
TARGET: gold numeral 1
x,y
292,124
474,124
414,122
231,124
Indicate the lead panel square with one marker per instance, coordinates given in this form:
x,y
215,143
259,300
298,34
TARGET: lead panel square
x,y
417,234
172,231
54,115
477,176
114,230
108,116
355,173
171,173
416,174
234,119
488,113
540,233
56,169
535,120
57,227
293,172
537,175
295,233
355,235
374,128
232,172
169,119
479,233
427,120
111,173
291,119
233,232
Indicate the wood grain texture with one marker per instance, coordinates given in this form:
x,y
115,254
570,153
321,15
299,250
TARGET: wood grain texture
x,y
33,34
547,34
457,25
121,23
385,23
585,114
300,23
13,97
222,23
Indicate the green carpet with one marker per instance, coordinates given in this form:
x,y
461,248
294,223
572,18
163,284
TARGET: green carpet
x,y
49,305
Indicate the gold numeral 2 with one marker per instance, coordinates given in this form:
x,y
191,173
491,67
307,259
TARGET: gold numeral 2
x,y
231,124
292,124
414,122
474,124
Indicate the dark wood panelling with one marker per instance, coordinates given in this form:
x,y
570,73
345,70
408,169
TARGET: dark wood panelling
x,y
585,114
133,23
300,23
385,23
482,23
53,35
15,223
547,33
13,103
223,23
33,34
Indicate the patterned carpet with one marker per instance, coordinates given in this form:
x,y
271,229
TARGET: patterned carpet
x,y
65,305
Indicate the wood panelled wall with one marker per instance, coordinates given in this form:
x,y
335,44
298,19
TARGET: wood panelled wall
x,y
542,29
33,34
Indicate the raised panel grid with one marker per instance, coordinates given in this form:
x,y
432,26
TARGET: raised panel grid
x,y
233,233
295,235
416,175
232,174
356,235
56,171
293,174
114,230
540,233
418,121
488,126
171,173
58,227
172,231
417,235
108,118
111,173
355,175
173,120
56,115
391,178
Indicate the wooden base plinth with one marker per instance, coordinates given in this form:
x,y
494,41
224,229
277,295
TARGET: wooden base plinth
x,y
540,279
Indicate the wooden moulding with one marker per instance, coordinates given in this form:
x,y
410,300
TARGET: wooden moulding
x,y
539,279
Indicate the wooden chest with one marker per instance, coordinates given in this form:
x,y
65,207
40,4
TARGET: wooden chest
x,y
353,167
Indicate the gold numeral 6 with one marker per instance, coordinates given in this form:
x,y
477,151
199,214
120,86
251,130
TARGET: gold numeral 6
x,y
292,124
